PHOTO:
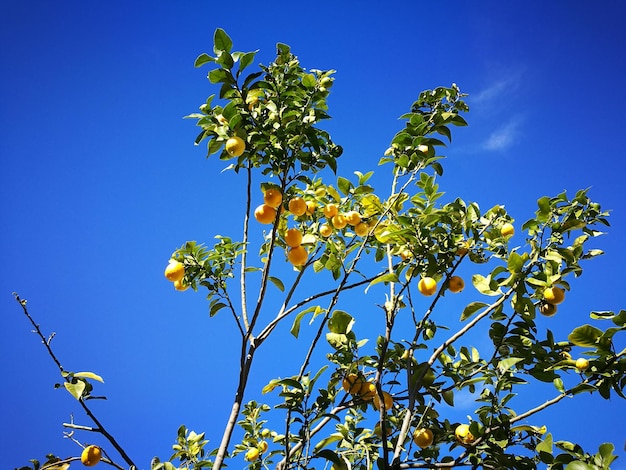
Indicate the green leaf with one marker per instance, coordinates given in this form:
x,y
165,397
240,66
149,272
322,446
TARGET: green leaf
x,y
577,465
344,185
277,282
308,80
558,384
471,309
216,308
340,322
221,41
389,277
515,263
585,336
509,362
76,389
295,327
203,59
448,397
89,375
483,285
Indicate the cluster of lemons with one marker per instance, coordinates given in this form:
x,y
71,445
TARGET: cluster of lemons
x,y
175,272
354,384
255,452
552,296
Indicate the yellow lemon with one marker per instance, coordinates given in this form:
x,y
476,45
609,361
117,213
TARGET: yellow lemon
x,y
273,197
427,286
90,456
507,230
297,255
423,437
554,295
293,237
297,206
175,271
265,214
235,146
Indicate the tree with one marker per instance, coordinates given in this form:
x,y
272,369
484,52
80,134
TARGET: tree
x,y
364,401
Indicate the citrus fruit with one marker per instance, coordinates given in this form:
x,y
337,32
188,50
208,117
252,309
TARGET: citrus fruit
x,y
387,401
263,446
179,285
293,237
554,295
582,364
462,249
297,256
353,218
90,456
175,271
297,206
330,210
362,229
456,284
367,391
235,146
463,434
351,383
272,197
326,230
423,437
252,454
405,254
378,429
310,208
429,375
547,309
427,286
265,214
507,230
339,221
266,432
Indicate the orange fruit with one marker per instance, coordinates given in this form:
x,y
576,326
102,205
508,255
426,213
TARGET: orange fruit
x,y
297,256
273,197
463,434
310,208
90,456
326,230
235,146
297,206
554,295
427,286
456,284
252,454
387,401
265,214
353,218
507,230
362,229
339,221
423,437
547,309
330,210
582,364
263,446
180,286
367,391
293,237
351,383
175,271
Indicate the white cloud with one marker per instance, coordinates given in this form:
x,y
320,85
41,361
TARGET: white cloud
x,y
504,136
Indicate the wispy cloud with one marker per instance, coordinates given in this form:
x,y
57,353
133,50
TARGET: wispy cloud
x,y
504,136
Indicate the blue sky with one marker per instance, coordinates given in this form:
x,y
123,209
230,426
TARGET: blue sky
x,y
100,180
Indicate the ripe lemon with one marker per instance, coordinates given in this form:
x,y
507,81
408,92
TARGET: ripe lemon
x,y
175,271
339,221
297,256
423,437
351,383
353,218
265,214
547,309
427,286
507,230
293,237
326,230
582,364
362,229
297,206
90,456
310,208
263,446
554,295
180,286
463,434
273,197
387,401
252,454
235,146
367,391
456,284
330,210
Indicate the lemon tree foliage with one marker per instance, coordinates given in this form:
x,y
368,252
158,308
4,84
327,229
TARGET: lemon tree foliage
x,y
382,396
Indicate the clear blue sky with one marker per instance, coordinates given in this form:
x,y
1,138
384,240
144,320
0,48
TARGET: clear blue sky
x,y
100,180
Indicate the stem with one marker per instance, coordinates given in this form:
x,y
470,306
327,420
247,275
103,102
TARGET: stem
x,y
99,427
